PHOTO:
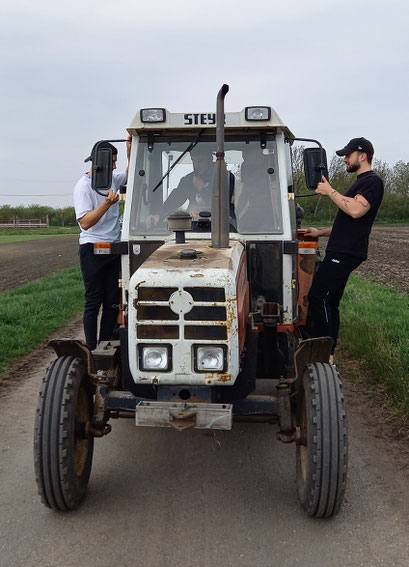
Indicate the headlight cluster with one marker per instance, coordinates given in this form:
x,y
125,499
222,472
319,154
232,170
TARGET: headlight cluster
x,y
210,358
206,358
155,357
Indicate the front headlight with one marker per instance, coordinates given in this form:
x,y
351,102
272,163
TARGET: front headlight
x,y
210,358
154,358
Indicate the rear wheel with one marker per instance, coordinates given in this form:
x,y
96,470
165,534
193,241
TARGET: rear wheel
x,y
62,446
322,449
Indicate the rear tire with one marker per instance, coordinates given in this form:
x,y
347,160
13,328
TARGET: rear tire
x,y
62,448
322,451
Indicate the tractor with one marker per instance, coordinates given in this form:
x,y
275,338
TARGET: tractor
x,y
213,310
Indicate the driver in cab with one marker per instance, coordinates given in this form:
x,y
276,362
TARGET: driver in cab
x,y
196,188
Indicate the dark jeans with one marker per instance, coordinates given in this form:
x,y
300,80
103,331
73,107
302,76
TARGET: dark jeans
x,y
100,274
326,292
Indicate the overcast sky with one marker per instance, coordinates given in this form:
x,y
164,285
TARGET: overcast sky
x,y
75,72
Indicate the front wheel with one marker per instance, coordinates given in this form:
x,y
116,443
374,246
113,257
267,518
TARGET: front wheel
x,y
63,448
322,447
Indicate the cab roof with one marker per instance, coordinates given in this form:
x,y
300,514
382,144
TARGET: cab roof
x,y
207,120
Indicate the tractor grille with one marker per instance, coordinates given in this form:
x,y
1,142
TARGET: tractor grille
x,y
156,313
156,320
207,293
206,314
155,293
157,332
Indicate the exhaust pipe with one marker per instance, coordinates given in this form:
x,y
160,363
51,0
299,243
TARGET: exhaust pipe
x,y
220,202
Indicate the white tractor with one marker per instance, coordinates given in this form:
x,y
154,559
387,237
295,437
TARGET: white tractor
x,y
215,279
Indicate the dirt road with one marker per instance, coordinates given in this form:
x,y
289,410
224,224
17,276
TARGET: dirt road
x,y
160,497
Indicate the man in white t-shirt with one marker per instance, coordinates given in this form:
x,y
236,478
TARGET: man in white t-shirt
x,y
98,218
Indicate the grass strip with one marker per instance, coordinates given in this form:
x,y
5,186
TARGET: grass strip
x,y
50,230
10,235
375,331
30,313
5,239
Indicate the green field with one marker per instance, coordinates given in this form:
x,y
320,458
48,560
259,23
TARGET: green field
x,y
375,331
30,313
24,235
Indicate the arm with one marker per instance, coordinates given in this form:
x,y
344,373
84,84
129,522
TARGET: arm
x,y
183,192
354,207
128,151
92,217
318,232
173,202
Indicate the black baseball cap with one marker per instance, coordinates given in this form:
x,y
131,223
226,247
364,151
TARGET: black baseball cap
x,y
101,145
356,145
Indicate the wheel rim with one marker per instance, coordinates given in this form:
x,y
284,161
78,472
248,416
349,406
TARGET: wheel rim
x,y
303,446
81,442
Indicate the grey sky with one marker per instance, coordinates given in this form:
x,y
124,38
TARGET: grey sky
x,y
76,72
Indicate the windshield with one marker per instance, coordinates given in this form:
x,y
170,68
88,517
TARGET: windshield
x,y
254,195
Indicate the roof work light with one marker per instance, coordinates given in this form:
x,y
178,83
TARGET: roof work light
x,y
258,112
153,115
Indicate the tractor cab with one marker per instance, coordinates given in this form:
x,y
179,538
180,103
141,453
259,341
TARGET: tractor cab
x,y
253,182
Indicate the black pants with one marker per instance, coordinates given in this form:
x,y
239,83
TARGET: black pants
x,y
100,274
326,292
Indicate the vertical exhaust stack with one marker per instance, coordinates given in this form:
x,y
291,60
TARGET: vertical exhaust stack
x,y
220,203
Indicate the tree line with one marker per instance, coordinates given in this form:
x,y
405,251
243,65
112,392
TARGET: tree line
x,y
395,204
56,217
394,208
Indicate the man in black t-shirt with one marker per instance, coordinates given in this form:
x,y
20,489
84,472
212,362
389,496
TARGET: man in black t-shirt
x,y
348,240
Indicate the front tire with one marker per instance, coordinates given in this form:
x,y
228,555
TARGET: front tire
x,y
62,447
322,448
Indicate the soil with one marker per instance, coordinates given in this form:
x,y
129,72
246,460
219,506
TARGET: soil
x,y
388,259
23,262
387,262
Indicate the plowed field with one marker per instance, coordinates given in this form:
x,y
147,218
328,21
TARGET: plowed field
x,y
20,263
388,257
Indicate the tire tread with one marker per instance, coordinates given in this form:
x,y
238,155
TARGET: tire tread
x,y
323,492
58,486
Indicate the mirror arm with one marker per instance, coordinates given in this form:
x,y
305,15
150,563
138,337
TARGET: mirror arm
x,y
321,166
288,139
306,195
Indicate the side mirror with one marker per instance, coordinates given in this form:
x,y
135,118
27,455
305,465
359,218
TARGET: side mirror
x,y
102,169
315,166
